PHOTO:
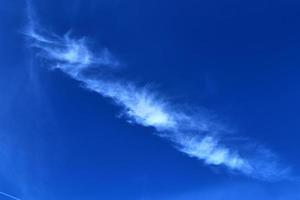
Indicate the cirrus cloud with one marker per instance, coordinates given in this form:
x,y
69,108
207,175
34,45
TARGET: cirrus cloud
x,y
198,137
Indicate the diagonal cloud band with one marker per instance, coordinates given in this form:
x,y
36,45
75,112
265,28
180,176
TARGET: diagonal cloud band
x,y
197,137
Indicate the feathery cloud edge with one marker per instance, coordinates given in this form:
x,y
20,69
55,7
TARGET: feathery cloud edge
x,y
190,135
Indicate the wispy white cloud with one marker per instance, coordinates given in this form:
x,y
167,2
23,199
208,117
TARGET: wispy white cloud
x,y
213,153
192,135
9,196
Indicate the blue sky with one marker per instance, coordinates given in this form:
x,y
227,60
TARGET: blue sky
x,y
149,100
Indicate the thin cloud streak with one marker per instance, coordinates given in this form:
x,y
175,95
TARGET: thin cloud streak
x,y
9,196
192,135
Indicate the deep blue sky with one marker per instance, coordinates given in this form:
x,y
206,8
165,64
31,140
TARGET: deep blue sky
x,y
237,59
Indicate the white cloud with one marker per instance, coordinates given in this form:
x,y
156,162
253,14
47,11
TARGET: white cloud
x,y
139,105
192,135
9,196
211,152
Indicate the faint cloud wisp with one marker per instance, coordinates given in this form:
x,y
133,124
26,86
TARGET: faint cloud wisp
x,y
194,136
9,196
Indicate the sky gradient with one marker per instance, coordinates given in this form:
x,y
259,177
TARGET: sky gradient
x,y
149,100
